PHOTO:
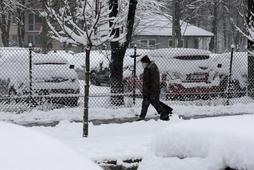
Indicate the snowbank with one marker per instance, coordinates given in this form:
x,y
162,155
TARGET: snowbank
x,y
205,144
26,149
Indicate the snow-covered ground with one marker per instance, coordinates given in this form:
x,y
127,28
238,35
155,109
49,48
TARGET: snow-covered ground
x,y
27,149
204,144
108,142
102,113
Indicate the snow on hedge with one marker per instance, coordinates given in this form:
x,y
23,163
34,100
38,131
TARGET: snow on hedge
x,y
205,144
26,149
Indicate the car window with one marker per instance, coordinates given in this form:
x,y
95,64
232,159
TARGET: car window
x,y
193,57
49,63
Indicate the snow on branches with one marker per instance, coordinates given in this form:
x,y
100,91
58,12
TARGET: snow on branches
x,y
84,22
9,6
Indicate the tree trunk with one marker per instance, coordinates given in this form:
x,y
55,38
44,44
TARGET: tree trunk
x,y
118,51
251,50
213,43
5,24
116,69
21,25
44,33
86,97
173,25
177,24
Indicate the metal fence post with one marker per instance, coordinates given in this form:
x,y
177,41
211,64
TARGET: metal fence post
x,y
30,71
134,74
230,73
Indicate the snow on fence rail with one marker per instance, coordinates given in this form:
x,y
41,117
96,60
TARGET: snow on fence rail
x,y
188,76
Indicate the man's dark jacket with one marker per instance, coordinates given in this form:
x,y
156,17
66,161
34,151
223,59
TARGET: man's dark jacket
x,y
151,81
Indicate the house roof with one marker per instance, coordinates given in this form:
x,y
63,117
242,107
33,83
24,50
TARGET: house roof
x,y
159,25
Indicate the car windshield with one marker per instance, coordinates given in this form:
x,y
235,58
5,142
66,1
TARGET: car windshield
x,y
50,64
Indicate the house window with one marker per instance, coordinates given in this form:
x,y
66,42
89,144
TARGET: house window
x,y
34,22
148,43
143,43
170,43
13,19
31,22
152,43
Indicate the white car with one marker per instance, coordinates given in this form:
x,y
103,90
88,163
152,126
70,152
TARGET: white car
x,y
26,149
225,143
51,75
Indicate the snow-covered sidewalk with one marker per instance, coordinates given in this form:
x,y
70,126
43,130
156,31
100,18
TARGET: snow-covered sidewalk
x,y
108,142
101,114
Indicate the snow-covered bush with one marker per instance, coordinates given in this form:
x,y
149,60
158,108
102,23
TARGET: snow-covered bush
x,y
205,144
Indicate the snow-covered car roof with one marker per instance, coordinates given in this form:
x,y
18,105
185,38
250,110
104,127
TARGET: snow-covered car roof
x,y
175,52
101,56
194,60
26,149
22,55
204,144
49,58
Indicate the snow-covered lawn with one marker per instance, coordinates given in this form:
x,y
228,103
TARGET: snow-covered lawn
x,y
204,144
26,149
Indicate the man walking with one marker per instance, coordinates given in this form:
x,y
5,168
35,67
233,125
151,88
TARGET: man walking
x,y
151,90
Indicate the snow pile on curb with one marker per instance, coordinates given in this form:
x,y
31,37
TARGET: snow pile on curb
x,y
25,149
207,144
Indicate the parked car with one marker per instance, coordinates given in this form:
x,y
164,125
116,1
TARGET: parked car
x,y
188,74
101,76
53,77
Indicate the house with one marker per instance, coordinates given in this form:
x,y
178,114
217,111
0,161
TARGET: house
x,y
155,31
151,31
32,26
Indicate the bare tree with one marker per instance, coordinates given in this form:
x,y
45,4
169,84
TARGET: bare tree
x,y
86,23
8,9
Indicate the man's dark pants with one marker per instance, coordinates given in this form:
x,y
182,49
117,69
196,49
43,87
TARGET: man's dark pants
x,y
160,107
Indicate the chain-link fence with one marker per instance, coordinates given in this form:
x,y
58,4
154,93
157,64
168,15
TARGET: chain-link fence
x,y
29,80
